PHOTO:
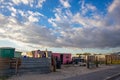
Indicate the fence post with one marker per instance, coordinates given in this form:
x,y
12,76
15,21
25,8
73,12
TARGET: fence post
x,y
16,67
88,65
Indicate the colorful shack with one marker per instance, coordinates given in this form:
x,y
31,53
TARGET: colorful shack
x,y
64,57
38,54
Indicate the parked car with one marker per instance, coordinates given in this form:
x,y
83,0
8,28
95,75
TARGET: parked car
x,y
79,61
82,64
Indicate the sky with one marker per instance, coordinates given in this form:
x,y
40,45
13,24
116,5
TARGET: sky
x,y
71,26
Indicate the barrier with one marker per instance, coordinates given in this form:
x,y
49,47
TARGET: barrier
x,y
5,69
35,65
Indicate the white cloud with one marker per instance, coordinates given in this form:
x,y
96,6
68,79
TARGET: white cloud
x,y
26,16
30,16
113,13
61,18
79,19
34,13
2,31
17,2
91,7
40,3
30,33
13,11
51,20
65,3
94,21
32,19
85,7
33,16
75,30
57,17
31,3
2,17
113,6
94,31
1,1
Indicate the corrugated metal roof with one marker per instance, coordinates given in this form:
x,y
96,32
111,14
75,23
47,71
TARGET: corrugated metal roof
x,y
6,48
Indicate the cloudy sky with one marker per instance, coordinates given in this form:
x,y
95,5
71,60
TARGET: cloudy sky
x,y
61,25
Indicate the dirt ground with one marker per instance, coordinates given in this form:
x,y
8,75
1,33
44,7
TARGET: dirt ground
x,y
66,72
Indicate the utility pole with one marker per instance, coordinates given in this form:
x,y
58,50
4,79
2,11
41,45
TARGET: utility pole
x,y
96,61
106,59
88,65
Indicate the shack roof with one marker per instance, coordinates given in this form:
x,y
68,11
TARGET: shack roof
x,y
7,48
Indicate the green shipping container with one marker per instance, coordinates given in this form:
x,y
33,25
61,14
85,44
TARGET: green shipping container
x,y
7,52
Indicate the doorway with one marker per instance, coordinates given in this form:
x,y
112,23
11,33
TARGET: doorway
x,y
61,58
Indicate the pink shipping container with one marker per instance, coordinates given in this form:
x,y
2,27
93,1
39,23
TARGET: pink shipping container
x,y
64,57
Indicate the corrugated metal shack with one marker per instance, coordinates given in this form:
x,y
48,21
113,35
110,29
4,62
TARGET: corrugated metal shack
x,y
36,62
65,58
35,65
6,54
11,64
